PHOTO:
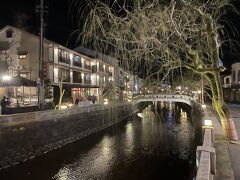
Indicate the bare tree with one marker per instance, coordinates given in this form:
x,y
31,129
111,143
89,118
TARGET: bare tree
x,y
168,34
61,93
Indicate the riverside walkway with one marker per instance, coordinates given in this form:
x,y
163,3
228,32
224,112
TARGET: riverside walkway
x,y
227,153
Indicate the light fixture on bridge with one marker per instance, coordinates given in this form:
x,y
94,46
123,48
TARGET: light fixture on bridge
x,y
208,122
204,106
63,107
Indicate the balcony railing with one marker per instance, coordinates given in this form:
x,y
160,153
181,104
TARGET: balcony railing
x,y
78,64
87,67
64,60
230,85
75,80
66,79
110,73
87,81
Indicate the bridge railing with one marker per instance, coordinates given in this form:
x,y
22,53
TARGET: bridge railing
x,y
163,96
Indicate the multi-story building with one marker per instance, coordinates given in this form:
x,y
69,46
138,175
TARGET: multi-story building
x,y
231,84
81,75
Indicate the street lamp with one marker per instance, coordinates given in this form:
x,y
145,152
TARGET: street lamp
x,y
208,122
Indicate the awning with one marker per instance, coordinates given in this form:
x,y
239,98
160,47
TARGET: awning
x,y
18,81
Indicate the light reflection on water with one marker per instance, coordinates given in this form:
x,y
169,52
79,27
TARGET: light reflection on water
x,y
151,137
155,145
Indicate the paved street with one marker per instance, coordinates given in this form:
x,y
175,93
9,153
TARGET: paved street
x,y
234,149
228,154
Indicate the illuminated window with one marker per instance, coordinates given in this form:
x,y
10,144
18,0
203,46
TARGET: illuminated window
x,y
23,56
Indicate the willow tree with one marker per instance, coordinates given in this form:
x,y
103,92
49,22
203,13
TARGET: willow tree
x,y
169,34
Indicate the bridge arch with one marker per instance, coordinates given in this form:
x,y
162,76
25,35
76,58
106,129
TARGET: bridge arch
x,y
164,97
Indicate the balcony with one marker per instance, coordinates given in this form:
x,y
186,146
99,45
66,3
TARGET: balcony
x,y
87,81
88,67
64,60
109,73
66,79
94,69
77,64
75,80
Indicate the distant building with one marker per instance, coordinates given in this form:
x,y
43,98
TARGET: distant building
x,y
125,83
231,84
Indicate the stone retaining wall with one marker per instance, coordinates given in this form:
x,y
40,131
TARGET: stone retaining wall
x,y
24,136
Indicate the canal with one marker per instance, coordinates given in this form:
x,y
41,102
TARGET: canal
x,y
154,144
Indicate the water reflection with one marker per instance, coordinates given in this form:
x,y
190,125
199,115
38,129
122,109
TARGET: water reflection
x,y
156,144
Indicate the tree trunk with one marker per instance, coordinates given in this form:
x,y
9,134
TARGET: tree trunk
x,y
219,105
61,93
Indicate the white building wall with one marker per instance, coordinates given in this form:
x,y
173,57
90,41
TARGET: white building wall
x,y
227,83
235,72
14,43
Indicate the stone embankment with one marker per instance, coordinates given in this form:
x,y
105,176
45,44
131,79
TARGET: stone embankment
x,y
27,135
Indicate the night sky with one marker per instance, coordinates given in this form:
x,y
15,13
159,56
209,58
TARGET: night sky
x,y
22,14
59,23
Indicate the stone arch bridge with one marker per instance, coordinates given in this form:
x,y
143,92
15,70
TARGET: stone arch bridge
x,y
164,97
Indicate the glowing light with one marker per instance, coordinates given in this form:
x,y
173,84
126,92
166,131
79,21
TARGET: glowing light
x,y
140,115
207,122
92,77
105,101
55,69
204,106
199,92
63,107
70,105
71,56
6,78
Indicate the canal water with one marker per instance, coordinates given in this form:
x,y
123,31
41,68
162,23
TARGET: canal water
x,y
155,144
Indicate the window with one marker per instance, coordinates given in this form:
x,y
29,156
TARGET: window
x,y
87,65
77,61
101,67
64,75
238,75
87,79
63,56
9,33
94,68
22,56
77,78
233,76
227,80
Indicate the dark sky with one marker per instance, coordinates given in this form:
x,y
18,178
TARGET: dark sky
x,y
21,13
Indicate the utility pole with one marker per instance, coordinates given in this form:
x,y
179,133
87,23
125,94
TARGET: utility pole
x,y
41,9
202,91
